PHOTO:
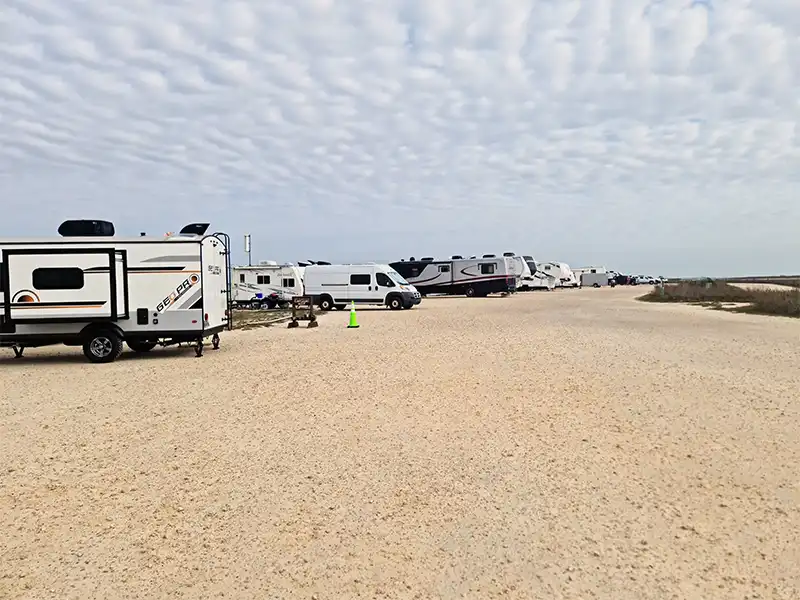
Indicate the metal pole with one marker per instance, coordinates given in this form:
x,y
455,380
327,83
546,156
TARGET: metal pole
x,y
247,248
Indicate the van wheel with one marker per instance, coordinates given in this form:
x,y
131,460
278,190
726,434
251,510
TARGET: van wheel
x,y
395,303
140,345
596,285
340,306
102,346
326,303
470,293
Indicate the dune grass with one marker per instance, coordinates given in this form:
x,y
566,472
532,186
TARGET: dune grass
x,y
724,296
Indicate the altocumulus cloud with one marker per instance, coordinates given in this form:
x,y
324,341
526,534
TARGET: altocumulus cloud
x,y
649,135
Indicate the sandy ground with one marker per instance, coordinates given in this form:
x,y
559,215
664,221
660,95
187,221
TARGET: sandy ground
x,y
573,444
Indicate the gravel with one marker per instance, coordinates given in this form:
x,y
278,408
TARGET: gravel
x,y
568,444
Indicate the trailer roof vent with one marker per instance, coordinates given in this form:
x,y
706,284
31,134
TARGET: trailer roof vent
x,y
427,259
86,228
489,256
195,229
508,254
456,257
322,262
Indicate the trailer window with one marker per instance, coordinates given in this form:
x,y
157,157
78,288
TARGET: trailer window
x,y
262,279
1,279
382,279
487,269
360,279
241,277
58,278
288,282
444,268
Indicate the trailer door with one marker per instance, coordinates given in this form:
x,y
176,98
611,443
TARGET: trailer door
x,y
60,284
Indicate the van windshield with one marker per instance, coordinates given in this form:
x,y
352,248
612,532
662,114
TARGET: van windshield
x,y
397,278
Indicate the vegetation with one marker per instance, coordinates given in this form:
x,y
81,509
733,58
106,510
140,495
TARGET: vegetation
x,y
722,295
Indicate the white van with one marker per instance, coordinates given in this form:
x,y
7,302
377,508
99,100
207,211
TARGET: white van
x,y
337,285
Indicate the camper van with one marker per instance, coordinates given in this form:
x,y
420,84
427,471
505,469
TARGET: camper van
x,y
335,286
89,288
472,277
562,273
538,279
266,285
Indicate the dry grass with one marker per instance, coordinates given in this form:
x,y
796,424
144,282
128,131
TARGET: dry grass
x,y
721,294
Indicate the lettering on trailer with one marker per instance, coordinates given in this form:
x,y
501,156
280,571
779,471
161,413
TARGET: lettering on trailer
x,y
214,270
179,291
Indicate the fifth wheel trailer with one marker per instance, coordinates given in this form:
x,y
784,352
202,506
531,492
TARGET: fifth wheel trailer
x,y
89,288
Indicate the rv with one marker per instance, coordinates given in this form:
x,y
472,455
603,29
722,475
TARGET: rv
x,y
266,285
91,289
334,286
591,271
519,267
472,277
538,279
594,279
564,277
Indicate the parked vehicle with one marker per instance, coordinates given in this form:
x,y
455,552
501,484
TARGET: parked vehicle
x,y
595,280
538,279
562,273
266,285
335,286
472,277
91,289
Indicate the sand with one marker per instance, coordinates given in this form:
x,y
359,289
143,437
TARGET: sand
x,y
568,444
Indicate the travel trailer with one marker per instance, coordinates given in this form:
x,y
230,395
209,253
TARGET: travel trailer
x,y
519,267
335,286
538,279
91,289
562,273
472,277
594,280
266,285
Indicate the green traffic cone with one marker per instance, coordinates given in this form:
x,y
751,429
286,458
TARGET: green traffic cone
x,y
353,320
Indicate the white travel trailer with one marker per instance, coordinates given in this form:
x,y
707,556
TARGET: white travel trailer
x,y
335,286
473,277
266,284
91,289
538,279
592,281
519,267
563,275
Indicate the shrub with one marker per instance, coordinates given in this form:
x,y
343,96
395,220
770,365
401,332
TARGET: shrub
x,y
762,301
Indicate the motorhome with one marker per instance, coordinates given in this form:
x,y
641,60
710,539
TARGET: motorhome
x,y
267,284
538,279
563,275
89,288
472,277
335,286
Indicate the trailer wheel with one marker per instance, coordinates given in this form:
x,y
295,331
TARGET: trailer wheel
x,y
395,303
140,345
470,293
102,346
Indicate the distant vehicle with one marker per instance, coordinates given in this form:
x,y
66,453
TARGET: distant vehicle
x,y
538,279
562,273
472,277
335,286
266,285
646,280
595,280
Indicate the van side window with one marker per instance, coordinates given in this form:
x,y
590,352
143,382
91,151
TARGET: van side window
x,y
360,279
382,279
444,268
487,268
262,279
58,278
288,282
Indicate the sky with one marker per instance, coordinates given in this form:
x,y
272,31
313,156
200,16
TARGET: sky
x,y
648,136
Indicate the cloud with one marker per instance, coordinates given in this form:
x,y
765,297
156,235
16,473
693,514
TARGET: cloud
x,y
658,133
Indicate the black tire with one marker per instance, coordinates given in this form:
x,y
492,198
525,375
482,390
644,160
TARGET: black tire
x,y
140,345
470,292
326,303
395,303
102,346
596,285
340,306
